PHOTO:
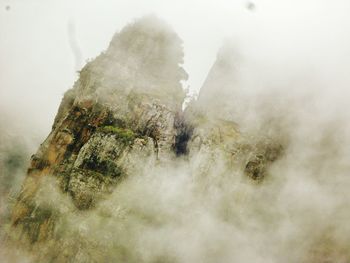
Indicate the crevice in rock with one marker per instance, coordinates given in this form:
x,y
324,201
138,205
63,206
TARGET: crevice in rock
x,y
184,133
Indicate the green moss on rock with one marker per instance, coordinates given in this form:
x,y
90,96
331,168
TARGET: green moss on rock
x,y
126,135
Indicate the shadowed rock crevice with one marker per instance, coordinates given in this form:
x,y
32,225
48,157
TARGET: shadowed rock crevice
x,y
184,132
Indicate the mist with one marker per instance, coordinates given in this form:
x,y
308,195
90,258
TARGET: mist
x,y
278,71
37,36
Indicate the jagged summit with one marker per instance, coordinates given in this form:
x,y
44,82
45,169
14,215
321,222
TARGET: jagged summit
x,y
121,110
145,57
216,96
122,120
126,175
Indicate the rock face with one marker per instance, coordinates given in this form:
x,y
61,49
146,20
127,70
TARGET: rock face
x,y
126,108
214,133
216,97
126,175
123,105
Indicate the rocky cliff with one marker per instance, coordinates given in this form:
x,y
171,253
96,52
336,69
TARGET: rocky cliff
x,y
123,106
122,119
214,130
127,176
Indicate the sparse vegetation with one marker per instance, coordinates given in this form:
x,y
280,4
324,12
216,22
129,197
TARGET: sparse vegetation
x,y
126,135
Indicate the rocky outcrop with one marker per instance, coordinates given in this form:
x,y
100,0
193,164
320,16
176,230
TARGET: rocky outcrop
x,y
127,176
217,95
126,109
214,133
123,105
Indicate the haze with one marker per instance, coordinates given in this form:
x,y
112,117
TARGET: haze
x,y
44,43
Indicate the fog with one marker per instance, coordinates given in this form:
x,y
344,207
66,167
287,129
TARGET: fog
x,y
38,62
287,80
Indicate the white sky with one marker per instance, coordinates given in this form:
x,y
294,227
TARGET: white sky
x,y
37,64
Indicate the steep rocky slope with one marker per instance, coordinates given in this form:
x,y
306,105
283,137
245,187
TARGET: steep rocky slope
x,y
127,176
122,107
210,120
